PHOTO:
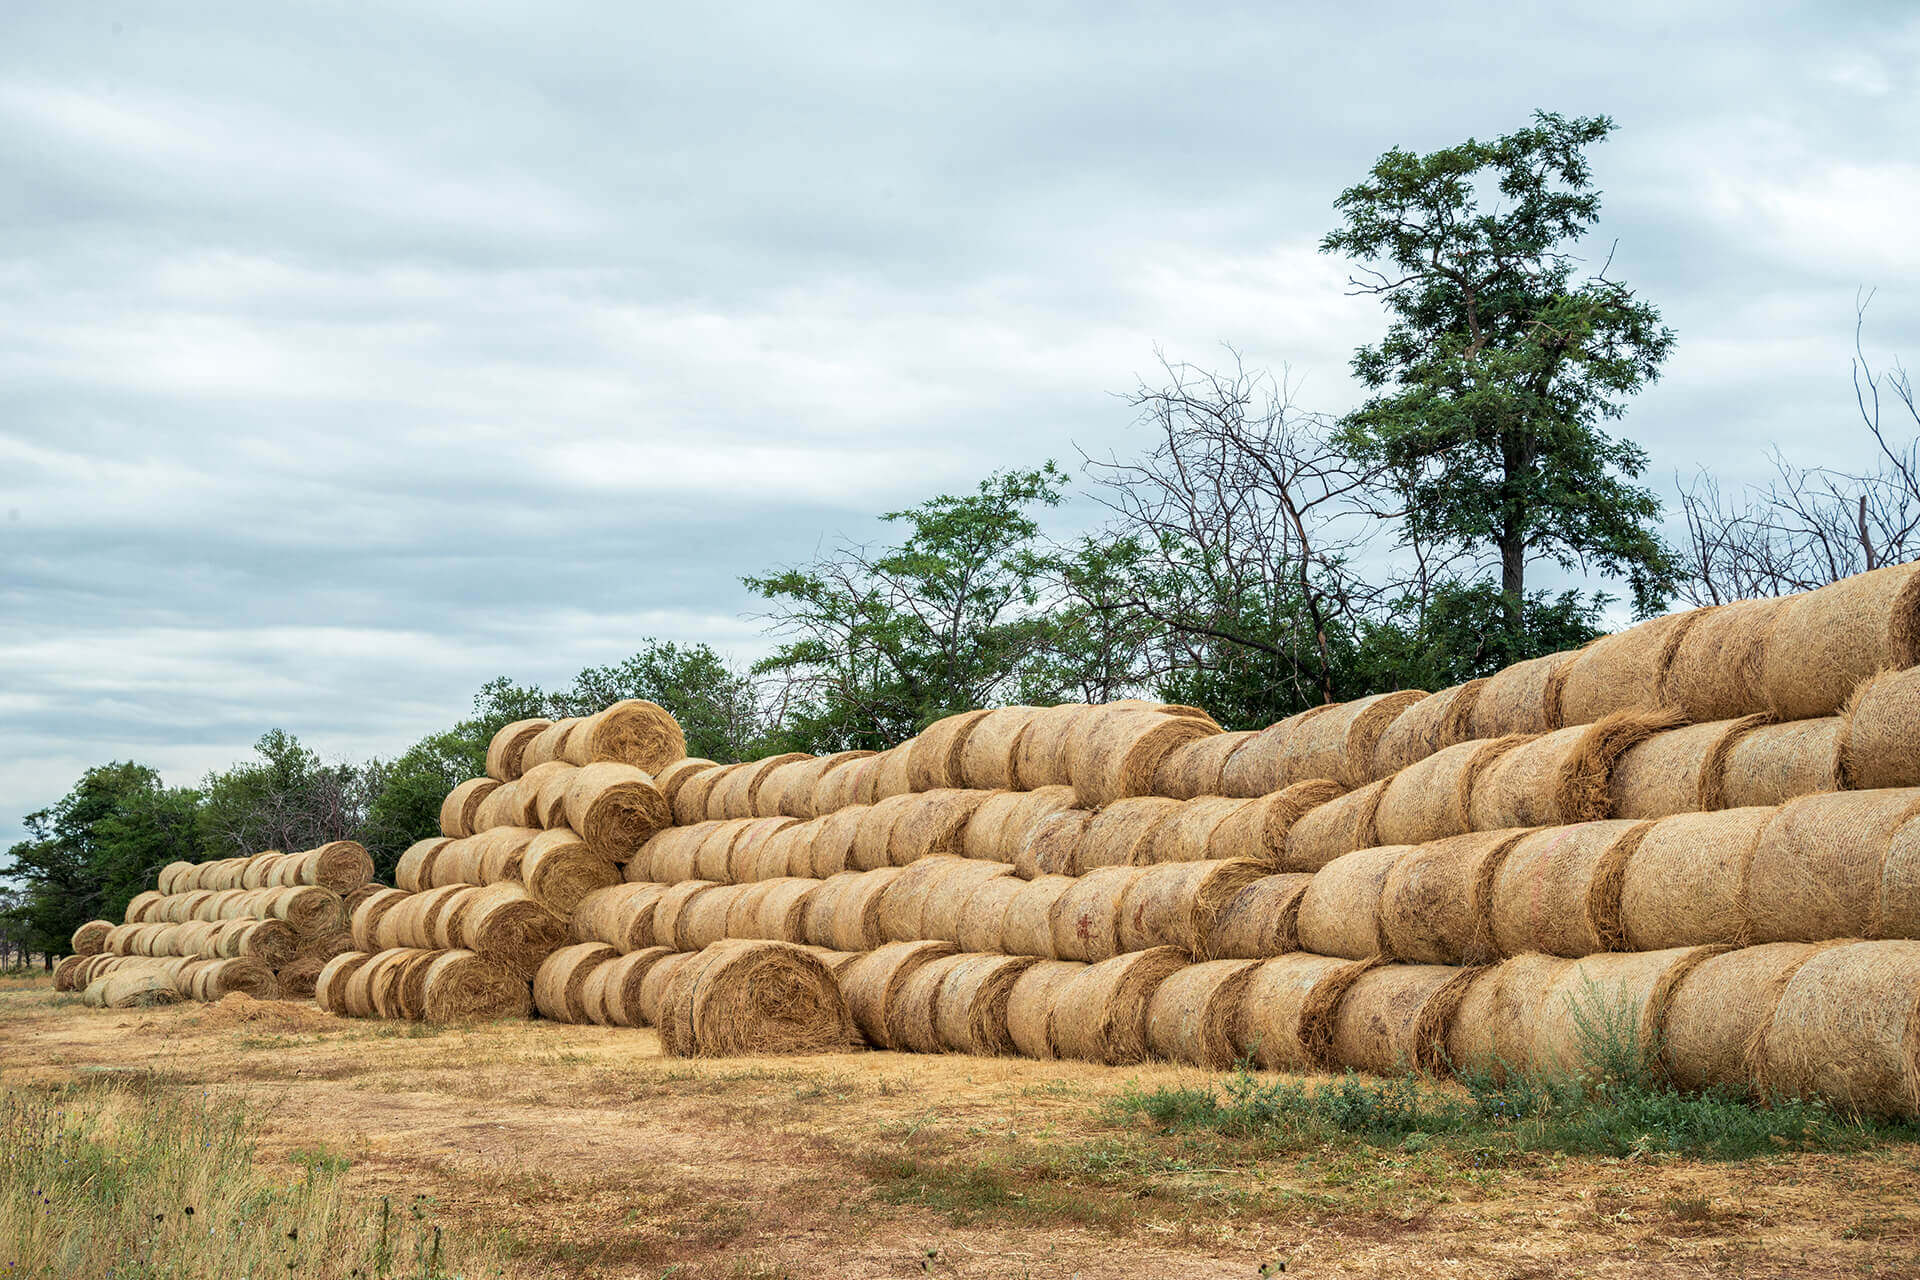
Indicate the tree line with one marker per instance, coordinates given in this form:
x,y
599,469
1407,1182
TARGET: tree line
x,y
1253,557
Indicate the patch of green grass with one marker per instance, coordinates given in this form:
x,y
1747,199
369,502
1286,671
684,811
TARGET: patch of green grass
x,y
968,1191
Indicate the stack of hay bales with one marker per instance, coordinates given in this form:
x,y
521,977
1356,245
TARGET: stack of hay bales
x,y
264,924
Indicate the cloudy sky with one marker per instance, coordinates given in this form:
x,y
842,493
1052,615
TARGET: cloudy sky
x,y
351,355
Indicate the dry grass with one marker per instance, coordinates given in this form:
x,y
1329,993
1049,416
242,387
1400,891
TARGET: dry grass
x,y
579,1151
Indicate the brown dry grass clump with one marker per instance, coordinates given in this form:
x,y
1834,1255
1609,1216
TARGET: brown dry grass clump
x,y
1436,722
1436,906
1826,643
1394,1018
1558,890
1100,1013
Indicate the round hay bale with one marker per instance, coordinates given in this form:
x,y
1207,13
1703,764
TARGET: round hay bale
x,y
983,914
173,878
1897,911
1051,847
872,984
506,927
830,851
457,862
1195,769
655,985
415,866
935,761
1685,883
780,911
987,757
392,973
364,924
1432,798
694,799
1176,904
502,807
846,785
970,1007
1719,1009
64,971
1328,830
1436,722
144,902
462,806
1340,911
356,990
1287,1009
1436,906
632,731
1259,829
986,830
743,916
1626,671
559,869
1775,763
1260,921
547,744
1603,1004
308,908
873,838
926,899
460,986
889,777
1122,834
732,793
339,865
614,808
1820,864
753,998
216,979
934,824
1100,1013
503,853
850,905
619,915
1030,1005
559,986
704,920
1714,672
802,795
1254,769
543,794
507,749
1341,743
90,939
1492,1029
1040,751
669,929
1028,810
1522,698
1826,643
674,854
1394,1019
1678,771
300,977
1560,777
1879,728
1026,927
618,983
1086,918
1558,890
913,1017
772,792
131,989
743,857
1195,1014
783,852
1119,758
1185,834
670,779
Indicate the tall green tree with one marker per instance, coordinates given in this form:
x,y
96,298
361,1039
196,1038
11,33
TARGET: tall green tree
x,y
1503,361
287,799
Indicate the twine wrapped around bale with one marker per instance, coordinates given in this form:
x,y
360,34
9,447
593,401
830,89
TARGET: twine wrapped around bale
x,y
620,915
1328,830
1436,906
1714,672
1775,763
1492,1029
1601,1004
872,984
1436,722
1287,1010
559,987
1558,890
1522,698
1341,744
90,939
757,998
1256,768
970,1008
614,808
980,924
613,989
1340,912
1560,777
1394,1018
559,869
1626,671
1826,643
462,806
1100,1013
1260,921
632,731
933,824
1119,757
1719,1009
913,1017
1432,798
1194,769
1026,927
507,749
463,987
1195,1014
1880,727
1686,881
1176,904
1820,867
1086,918
1677,771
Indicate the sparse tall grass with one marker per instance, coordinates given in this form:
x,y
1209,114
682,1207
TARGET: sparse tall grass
x,y
135,1181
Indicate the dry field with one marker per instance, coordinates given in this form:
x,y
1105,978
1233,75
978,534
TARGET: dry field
x,y
579,1151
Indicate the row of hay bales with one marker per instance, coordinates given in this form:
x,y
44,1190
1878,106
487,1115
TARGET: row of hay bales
x,y
278,917
113,981
432,984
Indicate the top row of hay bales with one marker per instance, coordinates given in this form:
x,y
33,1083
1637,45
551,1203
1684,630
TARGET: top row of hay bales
x,y
632,731
339,865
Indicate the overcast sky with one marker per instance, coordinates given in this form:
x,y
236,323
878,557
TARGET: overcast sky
x,y
351,355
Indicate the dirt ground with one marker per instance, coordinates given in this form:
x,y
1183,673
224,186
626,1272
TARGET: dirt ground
x,y
583,1152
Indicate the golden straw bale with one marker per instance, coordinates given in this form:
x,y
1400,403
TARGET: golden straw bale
x,y
970,1008
1602,1003
693,801
1820,866
1177,903
1341,743
1258,830
1086,918
141,903
1026,927
803,795
753,998
131,988
780,910
913,1016
1186,833
619,915
507,749
677,774
705,919
559,988
1626,671
503,853
1328,830
543,794
1436,722
927,898
90,939
503,807
365,922
873,838
547,744
1287,1010
1719,1010
785,851
1558,889
559,869
1560,777
1522,698
934,823
1880,726
674,854
1826,643
339,865
872,984
986,829
651,1001
507,928
890,775
1196,1013
845,785
1678,771
1436,906
1040,751
1492,1029
935,761
1395,1018
1255,768
1714,672
1340,912
1775,763
830,850
414,868
844,913
617,983
463,987
462,806
1030,1005
1194,769
632,731
1100,1013
1119,757
615,807
1432,798
1686,881
987,758
980,924
1260,921
1052,845
744,855
1122,834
